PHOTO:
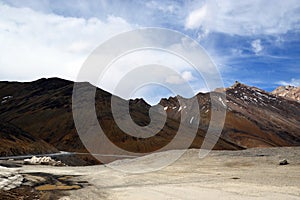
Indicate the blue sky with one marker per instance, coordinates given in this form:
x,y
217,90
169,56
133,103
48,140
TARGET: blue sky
x,y
254,42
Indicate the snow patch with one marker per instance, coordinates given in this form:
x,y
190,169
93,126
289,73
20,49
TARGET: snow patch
x,y
7,97
180,108
42,161
220,99
191,121
9,179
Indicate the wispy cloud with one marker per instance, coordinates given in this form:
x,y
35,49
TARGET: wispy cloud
x,y
198,18
185,76
257,46
245,17
293,82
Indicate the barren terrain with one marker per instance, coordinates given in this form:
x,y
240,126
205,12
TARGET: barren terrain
x,y
246,174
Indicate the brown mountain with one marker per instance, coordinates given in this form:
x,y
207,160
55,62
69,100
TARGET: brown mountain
x,y
254,118
289,92
15,141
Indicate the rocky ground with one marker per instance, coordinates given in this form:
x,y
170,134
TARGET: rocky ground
x,y
246,174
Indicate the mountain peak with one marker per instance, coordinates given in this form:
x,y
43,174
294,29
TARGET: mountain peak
x,y
289,92
238,85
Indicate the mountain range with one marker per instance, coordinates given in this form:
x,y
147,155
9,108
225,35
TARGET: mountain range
x,y
36,117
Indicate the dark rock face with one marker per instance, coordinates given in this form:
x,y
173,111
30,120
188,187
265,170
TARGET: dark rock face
x,y
254,118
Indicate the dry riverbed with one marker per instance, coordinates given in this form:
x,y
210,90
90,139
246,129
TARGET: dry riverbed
x,y
248,174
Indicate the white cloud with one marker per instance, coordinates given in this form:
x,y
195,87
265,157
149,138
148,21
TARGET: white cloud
x,y
174,79
35,44
128,63
256,46
197,17
293,82
161,6
247,17
186,76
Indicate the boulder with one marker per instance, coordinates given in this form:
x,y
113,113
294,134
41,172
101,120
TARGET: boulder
x,y
283,162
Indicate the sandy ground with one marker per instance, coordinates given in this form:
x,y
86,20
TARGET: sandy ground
x,y
249,174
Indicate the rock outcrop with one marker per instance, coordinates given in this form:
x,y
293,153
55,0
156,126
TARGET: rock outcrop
x,y
289,92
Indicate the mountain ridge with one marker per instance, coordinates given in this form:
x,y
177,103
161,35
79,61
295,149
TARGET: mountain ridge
x,y
255,118
289,92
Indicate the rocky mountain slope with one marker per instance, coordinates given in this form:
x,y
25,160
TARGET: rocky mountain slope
x,y
254,118
289,92
15,141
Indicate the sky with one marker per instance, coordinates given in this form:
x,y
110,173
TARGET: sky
x,y
255,42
